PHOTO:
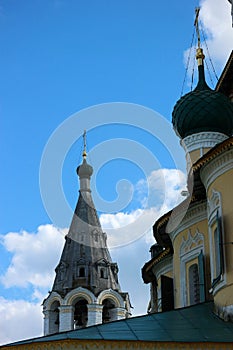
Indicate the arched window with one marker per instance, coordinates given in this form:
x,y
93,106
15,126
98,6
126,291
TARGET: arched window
x,y
107,314
218,249
82,272
194,285
54,317
218,252
217,255
80,314
102,273
167,293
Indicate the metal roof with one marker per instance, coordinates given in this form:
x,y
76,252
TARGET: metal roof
x,y
196,323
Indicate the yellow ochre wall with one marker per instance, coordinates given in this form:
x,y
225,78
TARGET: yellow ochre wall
x,y
197,154
224,185
116,345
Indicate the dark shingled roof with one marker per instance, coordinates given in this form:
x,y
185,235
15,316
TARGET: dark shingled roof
x,y
85,246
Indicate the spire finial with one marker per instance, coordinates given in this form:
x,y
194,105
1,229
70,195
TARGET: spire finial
x,y
196,23
199,55
84,170
84,143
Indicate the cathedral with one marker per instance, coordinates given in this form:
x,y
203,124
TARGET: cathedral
x,y
190,270
191,261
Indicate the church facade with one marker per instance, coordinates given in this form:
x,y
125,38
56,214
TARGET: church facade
x,y
192,261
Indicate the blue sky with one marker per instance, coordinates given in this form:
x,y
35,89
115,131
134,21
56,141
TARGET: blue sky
x,y
57,58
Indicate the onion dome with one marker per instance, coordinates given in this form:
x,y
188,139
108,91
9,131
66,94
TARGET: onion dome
x,y
203,109
84,170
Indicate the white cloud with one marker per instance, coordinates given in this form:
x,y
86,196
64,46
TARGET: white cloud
x,y
216,18
34,256
158,194
166,186
130,228
19,319
215,22
118,220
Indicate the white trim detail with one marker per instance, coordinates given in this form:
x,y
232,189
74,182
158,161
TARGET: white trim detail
x,y
111,294
216,167
186,245
202,140
187,253
47,303
79,293
214,205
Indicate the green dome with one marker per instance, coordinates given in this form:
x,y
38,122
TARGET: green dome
x,y
202,110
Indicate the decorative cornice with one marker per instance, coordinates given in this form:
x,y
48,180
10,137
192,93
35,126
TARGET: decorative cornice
x,y
163,220
202,140
164,266
66,309
194,214
94,308
181,215
177,212
120,312
156,260
218,166
213,153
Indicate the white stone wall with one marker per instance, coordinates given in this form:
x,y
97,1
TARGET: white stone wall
x,y
94,314
66,318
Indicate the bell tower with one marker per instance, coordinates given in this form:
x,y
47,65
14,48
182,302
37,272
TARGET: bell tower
x,y
86,290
